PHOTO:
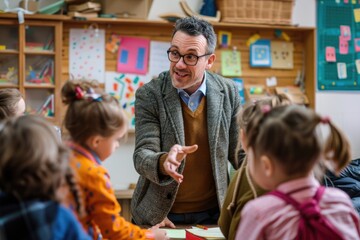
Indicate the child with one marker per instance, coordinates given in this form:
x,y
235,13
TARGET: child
x,y
33,165
241,188
283,148
96,123
11,103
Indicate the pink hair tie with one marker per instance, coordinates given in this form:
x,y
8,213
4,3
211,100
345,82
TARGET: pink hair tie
x,y
265,109
325,120
79,93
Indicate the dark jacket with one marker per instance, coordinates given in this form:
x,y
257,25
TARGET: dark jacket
x,y
348,181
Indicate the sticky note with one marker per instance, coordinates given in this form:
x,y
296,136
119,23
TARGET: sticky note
x,y
341,69
357,63
357,14
330,54
357,44
345,32
343,46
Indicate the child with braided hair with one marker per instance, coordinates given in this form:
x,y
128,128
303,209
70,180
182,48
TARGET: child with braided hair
x,y
33,165
96,123
284,145
241,188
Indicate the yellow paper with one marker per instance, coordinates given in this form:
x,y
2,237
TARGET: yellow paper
x,y
357,14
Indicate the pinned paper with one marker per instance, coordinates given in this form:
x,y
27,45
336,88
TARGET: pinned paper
x,y
230,63
343,46
357,14
330,54
252,39
357,63
133,55
341,69
357,44
346,1
260,53
87,54
282,55
345,32
224,39
123,87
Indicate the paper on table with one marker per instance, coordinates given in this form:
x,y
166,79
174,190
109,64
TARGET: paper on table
x,y
175,233
210,233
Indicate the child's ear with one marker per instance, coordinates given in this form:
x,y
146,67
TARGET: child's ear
x,y
93,141
267,165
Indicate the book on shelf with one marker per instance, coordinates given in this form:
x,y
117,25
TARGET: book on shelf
x,y
85,7
195,233
84,15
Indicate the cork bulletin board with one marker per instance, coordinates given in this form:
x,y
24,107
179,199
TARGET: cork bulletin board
x,y
338,35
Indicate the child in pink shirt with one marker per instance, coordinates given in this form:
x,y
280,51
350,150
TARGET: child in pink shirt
x,y
283,147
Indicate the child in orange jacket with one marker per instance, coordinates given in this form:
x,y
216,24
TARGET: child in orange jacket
x,y
96,123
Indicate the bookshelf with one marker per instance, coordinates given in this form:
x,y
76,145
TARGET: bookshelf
x,y
30,60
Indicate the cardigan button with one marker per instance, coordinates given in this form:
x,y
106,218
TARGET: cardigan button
x,y
169,196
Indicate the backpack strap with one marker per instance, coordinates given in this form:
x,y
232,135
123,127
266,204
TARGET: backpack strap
x,y
312,225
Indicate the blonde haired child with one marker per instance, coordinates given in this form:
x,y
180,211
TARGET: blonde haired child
x,y
11,103
33,167
284,145
96,123
241,188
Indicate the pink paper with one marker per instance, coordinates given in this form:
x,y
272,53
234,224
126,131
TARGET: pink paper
x,y
345,32
343,46
330,54
357,44
133,55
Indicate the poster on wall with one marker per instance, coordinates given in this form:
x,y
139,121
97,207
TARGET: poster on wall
x,y
133,55
87,54
123,86
338,45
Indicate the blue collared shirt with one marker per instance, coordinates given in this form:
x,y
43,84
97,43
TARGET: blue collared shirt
x,y
194,99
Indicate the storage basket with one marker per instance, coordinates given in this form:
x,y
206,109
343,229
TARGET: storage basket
x,y
256,11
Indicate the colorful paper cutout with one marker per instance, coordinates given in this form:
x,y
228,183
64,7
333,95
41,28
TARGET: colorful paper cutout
x,y
133,55
343,46
123,87
230,63
260,53
330,54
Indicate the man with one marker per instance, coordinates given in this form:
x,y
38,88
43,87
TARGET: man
x,y
186,131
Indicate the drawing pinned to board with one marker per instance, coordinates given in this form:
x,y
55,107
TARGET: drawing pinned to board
x,y
282,55
133,55
230,63
87,54
123,86
260,53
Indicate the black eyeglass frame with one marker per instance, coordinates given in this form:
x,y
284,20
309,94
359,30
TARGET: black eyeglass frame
x,y
182,56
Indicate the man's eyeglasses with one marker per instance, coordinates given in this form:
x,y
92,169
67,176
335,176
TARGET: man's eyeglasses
x,y
189,59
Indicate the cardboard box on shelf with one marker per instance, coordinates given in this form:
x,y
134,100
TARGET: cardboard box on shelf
x,y
126,8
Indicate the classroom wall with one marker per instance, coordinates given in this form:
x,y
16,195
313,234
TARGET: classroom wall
x,y
341,107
